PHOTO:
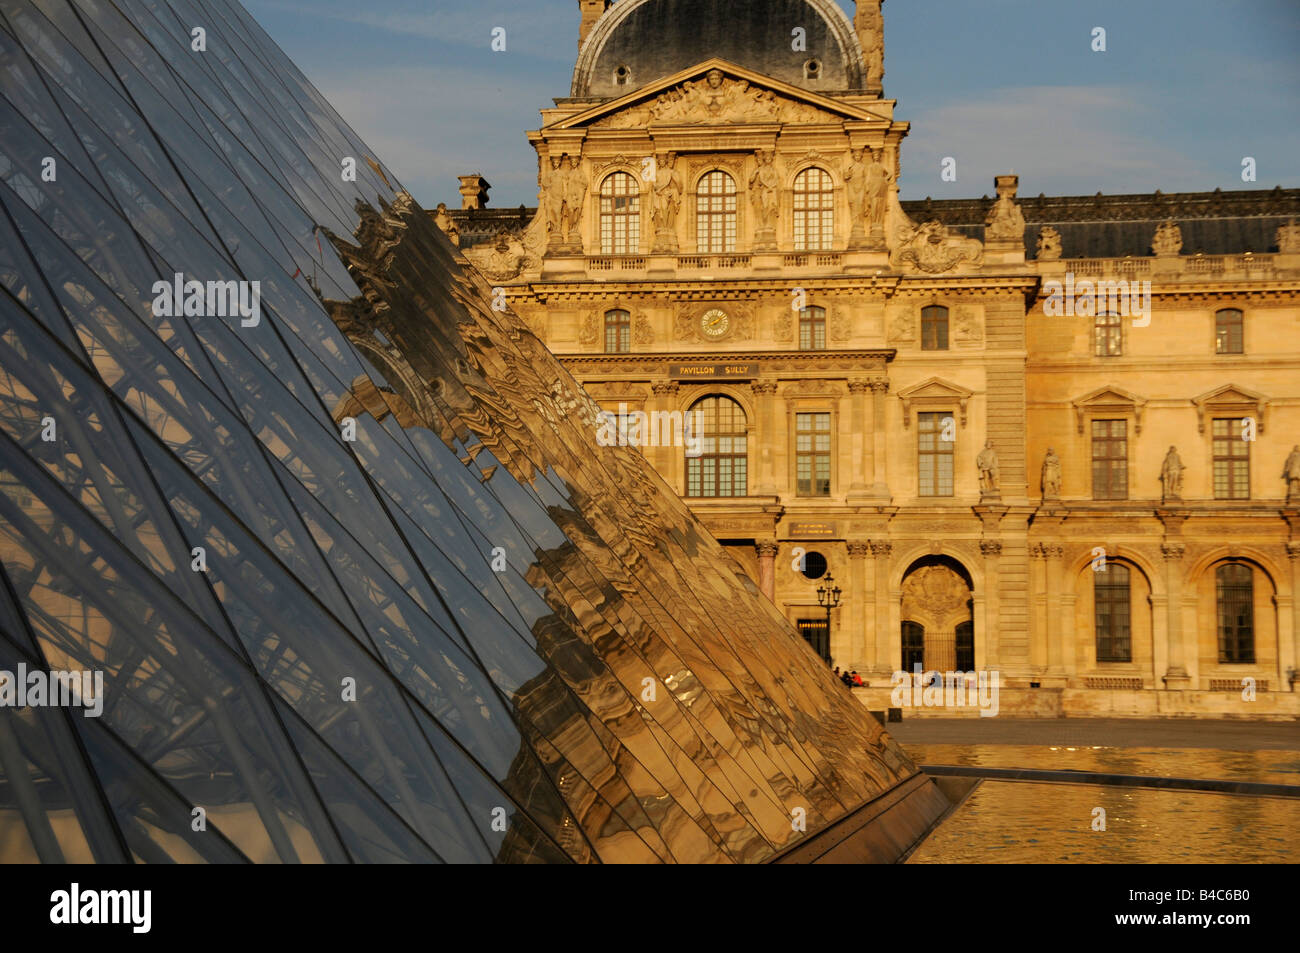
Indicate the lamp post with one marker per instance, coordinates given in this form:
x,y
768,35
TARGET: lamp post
x,y
828,595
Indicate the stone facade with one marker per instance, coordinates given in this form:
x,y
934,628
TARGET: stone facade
x,y
978,446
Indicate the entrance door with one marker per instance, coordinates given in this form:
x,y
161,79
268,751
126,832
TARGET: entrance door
x,y
818,636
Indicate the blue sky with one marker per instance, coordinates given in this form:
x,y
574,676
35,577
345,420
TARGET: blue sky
x,y
1186,89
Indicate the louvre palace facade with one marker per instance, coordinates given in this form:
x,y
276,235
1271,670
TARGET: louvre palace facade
x,y
1050,437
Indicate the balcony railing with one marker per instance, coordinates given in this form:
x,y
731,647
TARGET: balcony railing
x,y
1232,266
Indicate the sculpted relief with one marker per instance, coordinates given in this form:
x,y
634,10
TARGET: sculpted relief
x,y
930,248
715,98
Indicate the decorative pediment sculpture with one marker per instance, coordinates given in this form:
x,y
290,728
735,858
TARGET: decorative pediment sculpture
x,y
716,98
931,249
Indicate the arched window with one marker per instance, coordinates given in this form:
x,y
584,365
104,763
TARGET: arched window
x,y
1234,594
720,469
1228,337
618,331
1108,336
814,210
620,215
934,328
913,646
812,329
715,213
1112,613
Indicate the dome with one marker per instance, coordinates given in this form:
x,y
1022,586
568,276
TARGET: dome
x,y
637,42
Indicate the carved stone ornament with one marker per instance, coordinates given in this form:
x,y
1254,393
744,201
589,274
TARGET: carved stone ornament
x,y
505,259
1168,240
1005,221
1288,238
967,327
714,99
589,328
902,329
936,594
929,248
1049,244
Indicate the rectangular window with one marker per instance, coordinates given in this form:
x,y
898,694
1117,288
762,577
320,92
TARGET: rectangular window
x,y
1231,460
812,329
1228,338
1110,459
934,454
813,454
934,328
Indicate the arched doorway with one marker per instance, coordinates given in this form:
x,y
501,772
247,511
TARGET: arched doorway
x,y
938,628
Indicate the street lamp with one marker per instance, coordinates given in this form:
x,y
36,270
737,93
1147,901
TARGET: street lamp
x,y
828,595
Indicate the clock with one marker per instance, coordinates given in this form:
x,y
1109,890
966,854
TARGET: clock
x,y
714,323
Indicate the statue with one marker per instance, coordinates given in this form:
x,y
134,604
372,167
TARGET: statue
x,y
1171,475
574,186
552,188
445,223
1287,238
855,187
668,196
987,462
1051,475
1291,473
764,185
1049,244
878,181
1005,221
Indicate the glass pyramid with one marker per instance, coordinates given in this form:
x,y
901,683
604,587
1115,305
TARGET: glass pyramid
x,y
352,575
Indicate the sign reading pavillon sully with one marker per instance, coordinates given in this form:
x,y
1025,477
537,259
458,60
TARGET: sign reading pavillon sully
x,y
735,371
360,580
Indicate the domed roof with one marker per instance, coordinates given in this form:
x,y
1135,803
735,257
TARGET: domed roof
x,y
636,42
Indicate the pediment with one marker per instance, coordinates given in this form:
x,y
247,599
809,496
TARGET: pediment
x,y
716,91
1232,400
1109,400
934,392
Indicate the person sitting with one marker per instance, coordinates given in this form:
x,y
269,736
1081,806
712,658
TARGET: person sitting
x,y
846,679
857,679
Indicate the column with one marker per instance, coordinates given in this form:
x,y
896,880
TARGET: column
x,y
1288,627
764,401
667,460
1055,649
862,445
767,550
861,652
1038,617
986,635
1176,677
889,647
879,479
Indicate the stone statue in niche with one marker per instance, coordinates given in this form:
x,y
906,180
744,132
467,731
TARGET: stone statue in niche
x,y
987,463
1291,473
1171,475
1051,475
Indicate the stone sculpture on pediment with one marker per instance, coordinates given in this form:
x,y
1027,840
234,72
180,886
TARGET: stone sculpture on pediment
x,y
714,99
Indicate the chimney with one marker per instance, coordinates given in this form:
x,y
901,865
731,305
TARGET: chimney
x,y
473,191
591,11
